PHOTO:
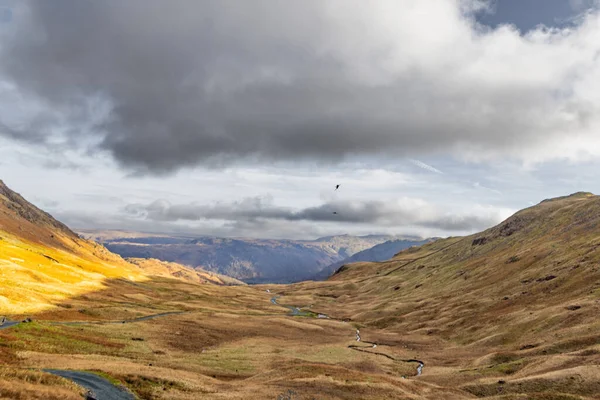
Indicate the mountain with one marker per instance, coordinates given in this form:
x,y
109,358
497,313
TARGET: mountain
x,y
42,260
249,260
380,252
546,255
510,312
152,266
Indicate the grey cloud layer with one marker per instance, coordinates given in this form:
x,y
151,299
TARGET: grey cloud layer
x,y
161,85
257,211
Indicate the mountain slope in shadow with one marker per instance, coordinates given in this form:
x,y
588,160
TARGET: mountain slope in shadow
x,y
380,252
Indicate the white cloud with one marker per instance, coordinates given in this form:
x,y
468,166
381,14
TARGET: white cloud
x,y
421,164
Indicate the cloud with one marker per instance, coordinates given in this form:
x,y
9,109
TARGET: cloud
x,y
480,186
165,85
421,164
260,211
583,5
250,208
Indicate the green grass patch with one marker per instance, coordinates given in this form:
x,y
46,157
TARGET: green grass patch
x,y
509,368
323,354
61,340
106,376
234,360
146,387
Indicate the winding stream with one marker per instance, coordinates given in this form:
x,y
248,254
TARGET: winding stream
x,y
294,311
420,367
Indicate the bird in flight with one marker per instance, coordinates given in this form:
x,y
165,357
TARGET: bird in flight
x,y
337,187
335,212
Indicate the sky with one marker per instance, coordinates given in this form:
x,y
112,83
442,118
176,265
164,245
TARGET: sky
x,y
436,118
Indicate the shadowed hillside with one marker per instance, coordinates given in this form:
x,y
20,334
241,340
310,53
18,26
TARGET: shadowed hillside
x,y
380,252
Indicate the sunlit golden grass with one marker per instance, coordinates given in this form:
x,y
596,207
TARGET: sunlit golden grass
x,y
34,277
156,267
24,384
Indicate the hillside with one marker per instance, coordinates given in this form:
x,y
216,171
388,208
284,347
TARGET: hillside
x,y
380,252
43,261
511,310
152,266
249,260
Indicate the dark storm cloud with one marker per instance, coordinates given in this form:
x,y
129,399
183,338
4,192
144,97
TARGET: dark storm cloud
x,y
257,211
209,82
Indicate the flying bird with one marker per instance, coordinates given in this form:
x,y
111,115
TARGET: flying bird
x,y
337,187
335,212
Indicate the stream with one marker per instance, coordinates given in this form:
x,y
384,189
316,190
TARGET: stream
x,y
295,311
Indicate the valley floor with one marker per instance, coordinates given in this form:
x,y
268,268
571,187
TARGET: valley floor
x,y
212,342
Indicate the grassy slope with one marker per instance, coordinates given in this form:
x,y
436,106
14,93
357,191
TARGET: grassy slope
x,y
156,267
516,303
33,277
42,261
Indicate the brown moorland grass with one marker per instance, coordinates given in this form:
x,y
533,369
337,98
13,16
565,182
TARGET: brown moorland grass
x,y
510,313
232,343
501,305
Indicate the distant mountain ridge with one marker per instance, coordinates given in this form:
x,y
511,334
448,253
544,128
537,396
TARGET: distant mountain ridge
x,y
249,260
380,252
